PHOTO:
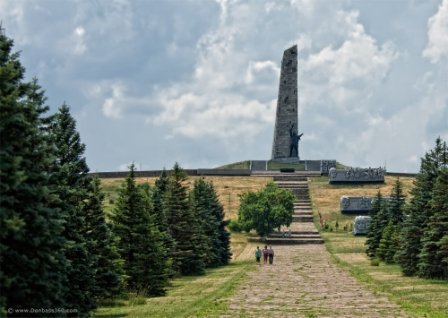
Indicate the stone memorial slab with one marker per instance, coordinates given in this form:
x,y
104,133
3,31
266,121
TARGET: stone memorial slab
x,y
326,165
350,204
357,175
361,225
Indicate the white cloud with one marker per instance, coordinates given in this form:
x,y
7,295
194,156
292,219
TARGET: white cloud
x,y
80,45
349,73
437,46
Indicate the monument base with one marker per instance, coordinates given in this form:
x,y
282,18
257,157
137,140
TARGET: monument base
x,y
288,160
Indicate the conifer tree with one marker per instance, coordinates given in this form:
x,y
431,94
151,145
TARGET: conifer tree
x,y
433,258
385,250
200,200
32,262
158,195
107,264
186,255
378,223
396,204
221,243
139,240
72,182
419,209
389,242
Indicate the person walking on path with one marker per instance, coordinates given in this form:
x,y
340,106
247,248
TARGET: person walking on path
x,y
258,255
271,254
265,254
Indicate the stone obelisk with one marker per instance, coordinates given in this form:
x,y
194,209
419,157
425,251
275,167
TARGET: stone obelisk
x,y
285,146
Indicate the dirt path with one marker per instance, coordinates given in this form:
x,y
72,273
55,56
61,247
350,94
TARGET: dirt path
x,y
303,282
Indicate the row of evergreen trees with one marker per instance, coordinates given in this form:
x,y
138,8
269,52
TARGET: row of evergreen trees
x,y
167,230
56,248
415,235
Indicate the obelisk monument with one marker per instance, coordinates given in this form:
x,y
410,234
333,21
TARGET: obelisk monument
x,y
286,138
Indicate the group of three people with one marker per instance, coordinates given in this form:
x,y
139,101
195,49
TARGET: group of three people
x,y
268,253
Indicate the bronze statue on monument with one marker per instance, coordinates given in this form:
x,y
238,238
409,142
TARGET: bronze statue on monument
x,y
294,142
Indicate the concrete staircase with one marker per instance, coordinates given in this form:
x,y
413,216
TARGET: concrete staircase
x,y
302,229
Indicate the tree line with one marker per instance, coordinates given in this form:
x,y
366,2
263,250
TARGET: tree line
x,y
415,234
57,248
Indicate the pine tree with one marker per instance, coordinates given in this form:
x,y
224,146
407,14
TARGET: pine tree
x,y
433,256
389,242
419,209
377,225
220,243
32,262
72,182
182,226
396,204
202,213
107,264
158,195
139,240
385,251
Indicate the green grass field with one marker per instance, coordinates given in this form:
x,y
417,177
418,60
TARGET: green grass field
x,y
208,295
189,296
419,297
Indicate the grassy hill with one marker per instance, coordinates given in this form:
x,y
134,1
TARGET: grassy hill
x,y
207,296
228,189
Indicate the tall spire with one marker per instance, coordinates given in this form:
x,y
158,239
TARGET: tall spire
x,y
285,144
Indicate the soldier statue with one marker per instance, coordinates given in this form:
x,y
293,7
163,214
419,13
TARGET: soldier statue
x,y
294,144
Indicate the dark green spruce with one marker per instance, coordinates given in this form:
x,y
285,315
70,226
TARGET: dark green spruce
x,y
140,243
433,258
187,252
419,209
72,182
389,243
379,221
32,262
100,243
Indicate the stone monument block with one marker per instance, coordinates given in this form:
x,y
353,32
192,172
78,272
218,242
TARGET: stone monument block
x,y
357,175
286,133
326,165
350,204
361,225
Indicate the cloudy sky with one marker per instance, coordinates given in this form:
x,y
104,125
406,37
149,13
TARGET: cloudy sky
x,y
196,81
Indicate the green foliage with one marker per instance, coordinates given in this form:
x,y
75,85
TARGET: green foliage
x,y
266,209
72,184
378,223
221,238
158,194
234,226
187,252
433,258
140,243
388,243
419,210
396,204
384,230
107,263
32,262
375,262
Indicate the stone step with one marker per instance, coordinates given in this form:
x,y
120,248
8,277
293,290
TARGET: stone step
x,y
294,236
302,218
286,241
305,213
290,178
